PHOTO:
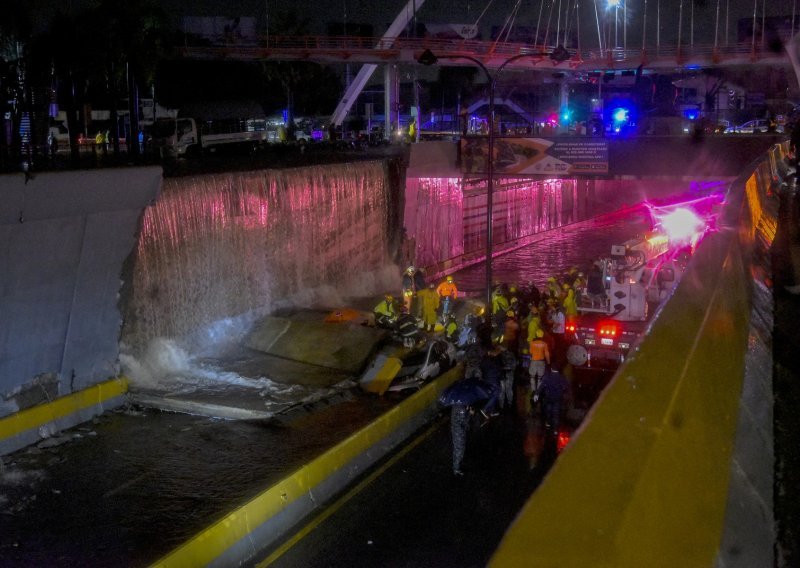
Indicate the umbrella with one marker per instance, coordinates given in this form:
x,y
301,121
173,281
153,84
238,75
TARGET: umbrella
x,y
466,392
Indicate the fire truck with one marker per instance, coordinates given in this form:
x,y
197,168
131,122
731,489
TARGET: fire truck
x,y
637,277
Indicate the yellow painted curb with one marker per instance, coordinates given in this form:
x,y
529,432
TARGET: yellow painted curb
x,y
31,418
213,542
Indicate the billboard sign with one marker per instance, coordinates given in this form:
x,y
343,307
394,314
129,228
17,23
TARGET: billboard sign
x,y
536,156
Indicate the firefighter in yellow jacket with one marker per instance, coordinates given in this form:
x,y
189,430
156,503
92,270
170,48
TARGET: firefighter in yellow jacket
x,y
429,303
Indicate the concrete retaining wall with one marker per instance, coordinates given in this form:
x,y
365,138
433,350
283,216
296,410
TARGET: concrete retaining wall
x,y
63,240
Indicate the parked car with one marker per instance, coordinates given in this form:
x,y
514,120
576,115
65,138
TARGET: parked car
x,y
753,127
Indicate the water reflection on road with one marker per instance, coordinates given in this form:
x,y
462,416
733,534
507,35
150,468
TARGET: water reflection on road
x,y
558,250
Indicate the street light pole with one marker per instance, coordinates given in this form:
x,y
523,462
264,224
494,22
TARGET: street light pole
x,y
490,193
428,58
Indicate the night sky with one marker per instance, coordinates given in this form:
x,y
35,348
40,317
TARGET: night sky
x,y
380,13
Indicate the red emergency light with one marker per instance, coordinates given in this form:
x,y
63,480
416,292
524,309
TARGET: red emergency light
x,y
562,440
608,329
571,327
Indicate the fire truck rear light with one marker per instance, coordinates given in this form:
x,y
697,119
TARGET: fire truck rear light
x,y
608,329
563,440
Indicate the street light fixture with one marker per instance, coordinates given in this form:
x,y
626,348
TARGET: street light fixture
x,y
428,58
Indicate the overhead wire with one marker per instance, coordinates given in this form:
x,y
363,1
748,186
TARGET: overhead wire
x,y
568,19
539,21
513,19
549,16
478,21
507,25
558,23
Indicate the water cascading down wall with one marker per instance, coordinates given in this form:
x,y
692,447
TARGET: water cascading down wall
x,y
219,246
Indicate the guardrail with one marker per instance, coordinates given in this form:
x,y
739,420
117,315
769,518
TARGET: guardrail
x,y
674,465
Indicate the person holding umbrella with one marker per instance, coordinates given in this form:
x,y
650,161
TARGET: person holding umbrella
x,y
461,397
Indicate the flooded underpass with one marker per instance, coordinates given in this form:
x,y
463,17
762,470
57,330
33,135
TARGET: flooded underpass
x,y
146,480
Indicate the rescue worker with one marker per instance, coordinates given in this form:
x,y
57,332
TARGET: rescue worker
x,y
492,373
509,362
571,275
385,313
459,424
559,329
500,306
511,332
451,328
469,331
569,303
580,288
534,296
595,288
472,361
407,328
429,303
448,292
534,323
540,357
500,303
553,392
413,282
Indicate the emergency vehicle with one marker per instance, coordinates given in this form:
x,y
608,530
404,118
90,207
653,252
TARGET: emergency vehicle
x,y
637,276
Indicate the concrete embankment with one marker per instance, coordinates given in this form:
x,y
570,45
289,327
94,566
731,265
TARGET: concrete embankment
x,y
65,238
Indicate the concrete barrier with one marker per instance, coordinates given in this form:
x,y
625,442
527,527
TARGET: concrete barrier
x,y
65,239
31,425
673,467
342,346
258,524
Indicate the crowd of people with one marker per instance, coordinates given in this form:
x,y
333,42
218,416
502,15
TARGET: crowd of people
x,y
518,344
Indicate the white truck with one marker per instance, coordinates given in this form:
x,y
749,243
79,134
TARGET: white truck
x,y
637,276
206,128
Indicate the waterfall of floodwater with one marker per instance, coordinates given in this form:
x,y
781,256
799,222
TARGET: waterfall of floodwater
x,y
456,207
217,251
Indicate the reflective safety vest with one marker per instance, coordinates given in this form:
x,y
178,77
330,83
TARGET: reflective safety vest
x,y
539,351
499,303
447,289
570,304
534,324
385,308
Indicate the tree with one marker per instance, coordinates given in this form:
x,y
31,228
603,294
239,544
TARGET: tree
x,y
15,35
289,75
111,48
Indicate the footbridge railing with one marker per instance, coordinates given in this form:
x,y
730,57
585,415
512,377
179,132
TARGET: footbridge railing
x,y
344,49
674,465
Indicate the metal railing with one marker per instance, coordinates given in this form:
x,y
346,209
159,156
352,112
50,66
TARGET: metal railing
x,y
345,48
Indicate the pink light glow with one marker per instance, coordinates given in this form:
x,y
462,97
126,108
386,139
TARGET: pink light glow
x,y
683,226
